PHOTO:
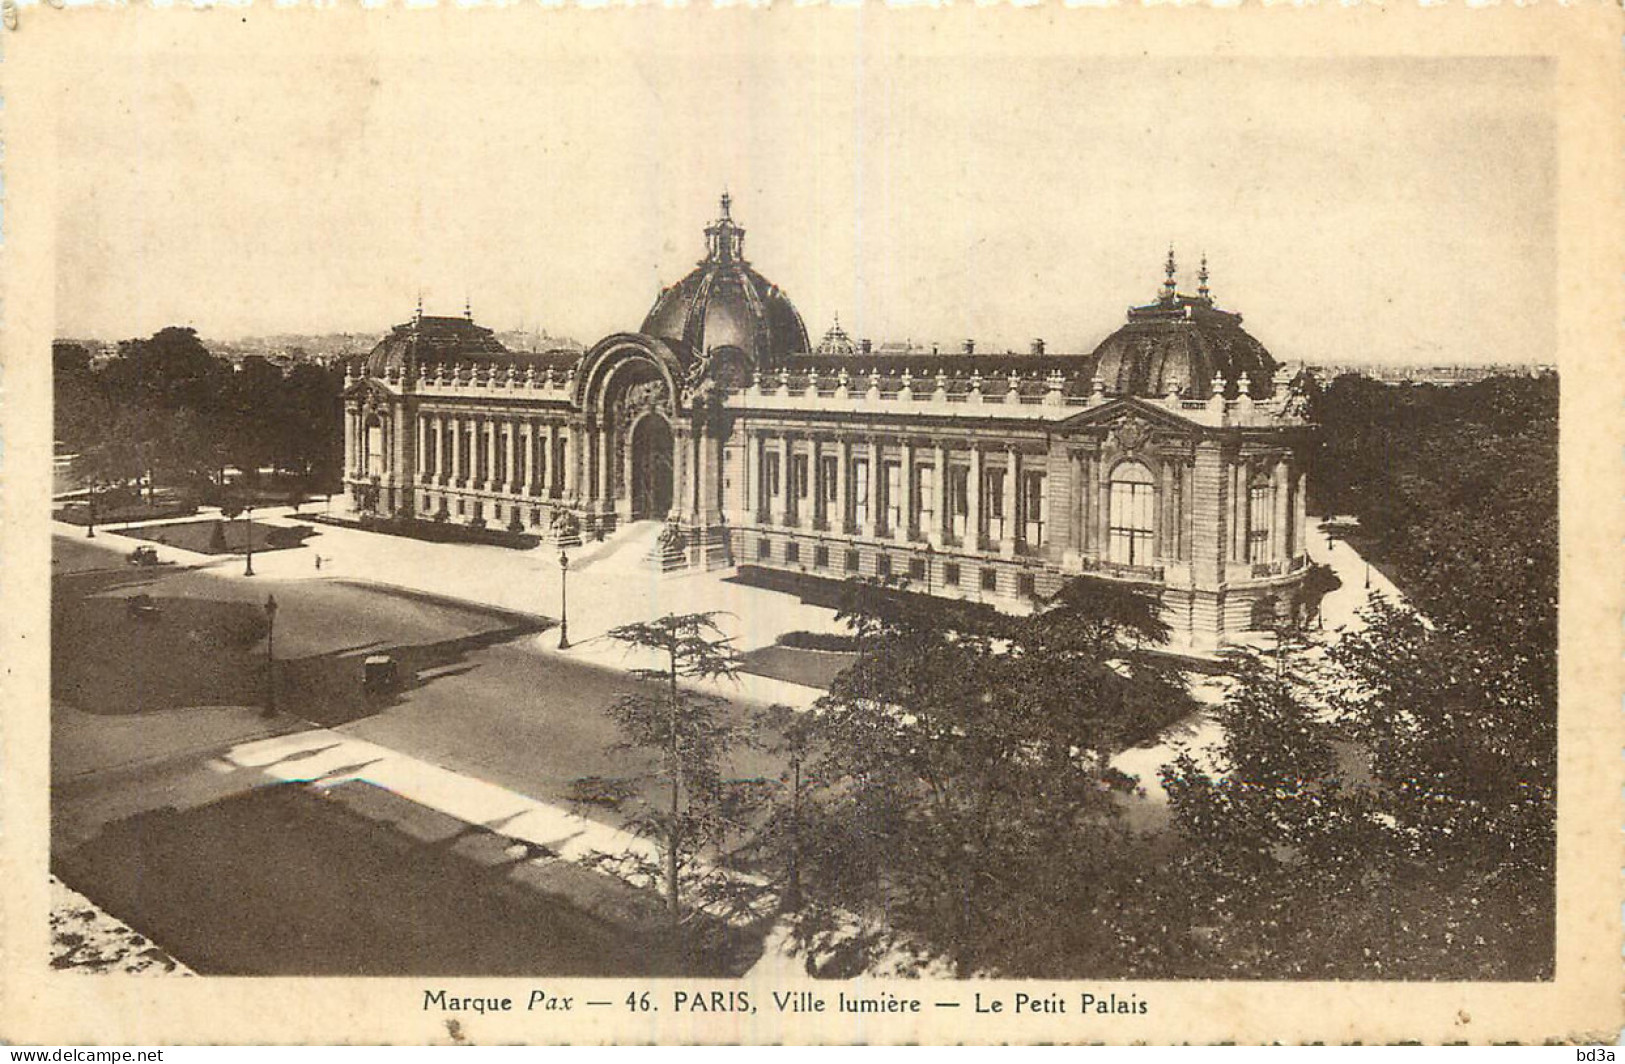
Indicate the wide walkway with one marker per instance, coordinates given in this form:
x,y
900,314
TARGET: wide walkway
x,y
605,585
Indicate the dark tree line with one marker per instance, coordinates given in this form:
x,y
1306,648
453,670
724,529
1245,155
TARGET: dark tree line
x,y
1456,490
165,411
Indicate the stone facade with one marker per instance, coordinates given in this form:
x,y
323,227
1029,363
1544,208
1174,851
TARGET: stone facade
x,y
1172,456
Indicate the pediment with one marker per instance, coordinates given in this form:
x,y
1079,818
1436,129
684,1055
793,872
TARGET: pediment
x,y
370,387
1126,408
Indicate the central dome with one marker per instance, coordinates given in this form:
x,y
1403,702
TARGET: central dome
x,y
1183,344
724,303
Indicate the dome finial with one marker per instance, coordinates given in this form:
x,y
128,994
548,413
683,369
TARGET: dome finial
x,y
727,202
417,316
1169,269
1201,277
468,308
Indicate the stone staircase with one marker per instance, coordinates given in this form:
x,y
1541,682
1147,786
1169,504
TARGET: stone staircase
x,y
627,549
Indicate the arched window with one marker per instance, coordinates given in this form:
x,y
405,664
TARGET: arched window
x,y
1132,526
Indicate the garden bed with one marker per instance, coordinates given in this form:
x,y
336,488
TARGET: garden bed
x,y
131,513
435,531
222,536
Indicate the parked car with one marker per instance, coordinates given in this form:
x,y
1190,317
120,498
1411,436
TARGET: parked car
x,y
143,556
379,674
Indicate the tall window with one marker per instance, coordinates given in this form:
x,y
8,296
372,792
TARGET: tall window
x,y
1032,507
895,494
771,485
375,449
1132,518
925,498
1260,512
798,475
860,493
829,483
958,499
798,487
993,503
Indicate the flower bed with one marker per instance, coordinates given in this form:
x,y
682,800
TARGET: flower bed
x,y
435,531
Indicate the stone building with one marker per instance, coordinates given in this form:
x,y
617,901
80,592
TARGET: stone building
x,y
1172,455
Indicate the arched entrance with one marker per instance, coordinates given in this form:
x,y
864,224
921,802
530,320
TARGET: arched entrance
x,y
651,468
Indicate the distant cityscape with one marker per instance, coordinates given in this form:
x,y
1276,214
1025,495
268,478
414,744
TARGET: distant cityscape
x,y
331,349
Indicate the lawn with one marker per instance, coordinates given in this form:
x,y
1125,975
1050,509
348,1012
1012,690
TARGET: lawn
x,y
220,536
812,668
292,880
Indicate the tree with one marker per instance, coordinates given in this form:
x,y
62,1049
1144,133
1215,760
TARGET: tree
x,y
1462,736
957,805
686,806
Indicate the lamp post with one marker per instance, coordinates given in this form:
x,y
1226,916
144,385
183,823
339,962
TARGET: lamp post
x,y
270,655
248,567
564,600
90,529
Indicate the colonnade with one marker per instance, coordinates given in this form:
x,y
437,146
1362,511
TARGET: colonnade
x,y
948,493
496,453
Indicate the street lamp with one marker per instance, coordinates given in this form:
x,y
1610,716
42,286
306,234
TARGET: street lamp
x,y
564,600
248,568
90,529
270,656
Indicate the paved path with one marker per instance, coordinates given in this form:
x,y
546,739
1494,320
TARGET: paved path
x,y
603,594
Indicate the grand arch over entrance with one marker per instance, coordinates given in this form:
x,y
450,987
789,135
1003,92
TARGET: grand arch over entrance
x,y
651,467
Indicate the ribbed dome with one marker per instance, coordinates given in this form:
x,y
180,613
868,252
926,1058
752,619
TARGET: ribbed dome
x,y
423,340
1180,344
725,303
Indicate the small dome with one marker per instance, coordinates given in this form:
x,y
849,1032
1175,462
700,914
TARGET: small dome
x,y
725,303
1180,344
431,339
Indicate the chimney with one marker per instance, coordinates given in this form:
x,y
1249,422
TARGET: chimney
x,y
970,347
1038,347
866,346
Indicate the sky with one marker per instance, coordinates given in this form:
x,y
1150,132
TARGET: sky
x,y
1352,209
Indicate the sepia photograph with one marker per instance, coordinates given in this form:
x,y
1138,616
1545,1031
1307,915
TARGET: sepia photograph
x,y
770,521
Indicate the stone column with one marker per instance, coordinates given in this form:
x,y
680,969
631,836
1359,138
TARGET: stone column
x,y
1301,512
1103,509
1012,530
973,501
1282,523
529,437
516,457
553,473
939,502
606,469
422,446
568,450
753,477
704,477
843,485
873,513
1240,488
779,504
911,512
815,486
804,510
456,450
684,504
